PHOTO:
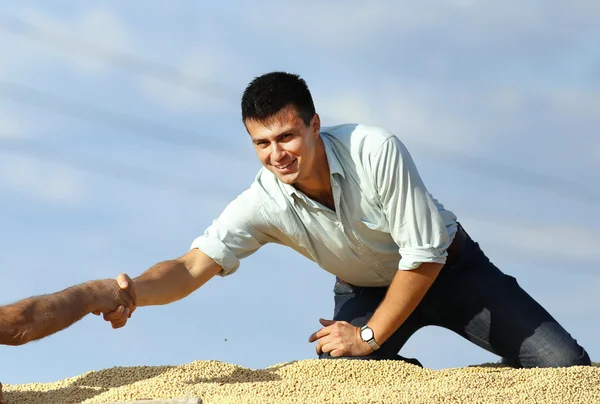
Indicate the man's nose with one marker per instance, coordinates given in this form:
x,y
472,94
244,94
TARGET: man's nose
x,y
277,152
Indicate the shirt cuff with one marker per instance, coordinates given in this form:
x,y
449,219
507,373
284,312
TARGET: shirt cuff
x,y
219,253
413,258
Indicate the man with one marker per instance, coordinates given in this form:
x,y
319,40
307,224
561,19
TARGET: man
x,y
38,317
350,198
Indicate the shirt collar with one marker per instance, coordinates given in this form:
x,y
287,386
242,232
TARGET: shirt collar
x,y
335,167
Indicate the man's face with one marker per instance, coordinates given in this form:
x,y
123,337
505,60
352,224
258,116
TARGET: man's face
x,y
285,145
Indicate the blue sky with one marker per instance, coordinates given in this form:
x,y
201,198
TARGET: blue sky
x,y
509,83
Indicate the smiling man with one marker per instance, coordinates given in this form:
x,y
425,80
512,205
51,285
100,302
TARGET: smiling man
x,y
350,198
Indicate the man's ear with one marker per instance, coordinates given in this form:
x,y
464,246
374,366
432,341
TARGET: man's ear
x,y
316,125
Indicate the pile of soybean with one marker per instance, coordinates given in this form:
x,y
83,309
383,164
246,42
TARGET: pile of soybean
x,y
319,381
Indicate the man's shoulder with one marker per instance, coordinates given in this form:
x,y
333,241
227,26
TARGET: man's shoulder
x,y
247,205
358,137
354,135
256,191
264,190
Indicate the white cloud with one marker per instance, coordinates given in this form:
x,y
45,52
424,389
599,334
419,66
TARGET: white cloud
x,y
577,104
345,108
595,154
52,43
506,100
327,25
450,74
38,62
47,182
566,121
396,111
104,28
95,26
11,127
350,25
547,241
185,93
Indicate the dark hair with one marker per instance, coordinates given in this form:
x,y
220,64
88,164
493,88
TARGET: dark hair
x,y
268,94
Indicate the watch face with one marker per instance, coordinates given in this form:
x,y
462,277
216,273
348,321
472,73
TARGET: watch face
x,y
366,334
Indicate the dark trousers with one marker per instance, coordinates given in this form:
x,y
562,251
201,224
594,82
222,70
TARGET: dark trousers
x,y
473,298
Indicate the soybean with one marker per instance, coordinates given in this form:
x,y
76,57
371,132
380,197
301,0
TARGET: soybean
x,y
319,381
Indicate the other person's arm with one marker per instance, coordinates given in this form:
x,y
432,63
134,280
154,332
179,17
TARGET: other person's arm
x,y
40,316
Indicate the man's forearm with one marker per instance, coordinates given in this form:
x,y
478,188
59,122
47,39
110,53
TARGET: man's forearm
x,y
404,294
37,317
164,283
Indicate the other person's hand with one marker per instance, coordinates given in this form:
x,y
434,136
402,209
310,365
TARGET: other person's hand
x,y
123,301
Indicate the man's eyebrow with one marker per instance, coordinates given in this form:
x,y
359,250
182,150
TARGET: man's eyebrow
x,y
287,131
257,139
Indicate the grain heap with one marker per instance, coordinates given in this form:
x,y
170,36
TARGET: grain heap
x,y
319,381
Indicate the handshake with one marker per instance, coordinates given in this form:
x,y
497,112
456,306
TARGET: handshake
x,y
37,317
115,299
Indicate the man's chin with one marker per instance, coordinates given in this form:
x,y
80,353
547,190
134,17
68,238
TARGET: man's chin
x,y
289,179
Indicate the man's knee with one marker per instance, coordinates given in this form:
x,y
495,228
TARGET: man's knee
x,y
551,346
558,358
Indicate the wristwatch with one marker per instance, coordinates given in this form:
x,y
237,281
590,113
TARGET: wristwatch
x,y
367,335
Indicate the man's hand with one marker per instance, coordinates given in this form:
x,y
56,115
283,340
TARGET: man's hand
x,y
340,338
123,294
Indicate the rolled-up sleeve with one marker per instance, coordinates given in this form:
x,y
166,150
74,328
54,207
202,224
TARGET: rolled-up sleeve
x,y
414,220
237,233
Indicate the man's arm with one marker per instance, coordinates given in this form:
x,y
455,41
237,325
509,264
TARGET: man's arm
x,y
418,229
404,294
38,317
167,282
239,231
339,338
172,280
420,233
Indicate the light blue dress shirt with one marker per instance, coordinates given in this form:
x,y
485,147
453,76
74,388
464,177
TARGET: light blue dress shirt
x,y
384,218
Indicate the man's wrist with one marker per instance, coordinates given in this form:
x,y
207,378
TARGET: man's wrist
x,y
367,334
143,291
95,295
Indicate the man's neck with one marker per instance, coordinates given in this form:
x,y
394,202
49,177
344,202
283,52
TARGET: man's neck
x,y
318,188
